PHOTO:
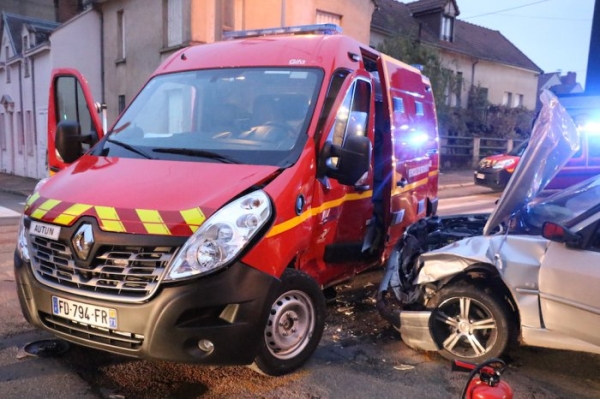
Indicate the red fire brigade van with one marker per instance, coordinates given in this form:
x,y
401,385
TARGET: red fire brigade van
x,y
245,177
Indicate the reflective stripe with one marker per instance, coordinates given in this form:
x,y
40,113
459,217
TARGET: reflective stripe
x,y
293,222
193,217
67,217
109,219
153,222
44,208
32,198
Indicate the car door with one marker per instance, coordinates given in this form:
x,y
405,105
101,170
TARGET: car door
x,y
569,293
70,100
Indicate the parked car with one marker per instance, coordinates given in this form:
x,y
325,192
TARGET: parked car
x,y
496,170
468,286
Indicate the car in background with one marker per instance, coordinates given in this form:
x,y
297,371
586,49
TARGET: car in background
x,y
469,286
495,171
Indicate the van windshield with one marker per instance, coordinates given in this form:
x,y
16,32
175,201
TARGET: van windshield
x,y
236,115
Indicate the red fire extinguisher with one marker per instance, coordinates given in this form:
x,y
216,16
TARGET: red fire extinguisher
x,y
484,380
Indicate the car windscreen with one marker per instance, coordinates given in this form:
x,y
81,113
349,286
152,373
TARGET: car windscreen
x,y
237,115
566,207
519,150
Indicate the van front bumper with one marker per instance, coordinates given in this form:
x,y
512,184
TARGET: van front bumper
x,y
229,309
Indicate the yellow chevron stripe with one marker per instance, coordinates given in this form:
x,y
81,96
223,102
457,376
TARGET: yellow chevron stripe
x,y
109,219
193,217
44,208
293,222
153,222
71,214
32,198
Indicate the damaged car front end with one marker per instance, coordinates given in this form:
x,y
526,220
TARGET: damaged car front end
x,y
468,286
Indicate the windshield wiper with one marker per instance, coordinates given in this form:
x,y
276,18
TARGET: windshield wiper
x,y
130,148
197,153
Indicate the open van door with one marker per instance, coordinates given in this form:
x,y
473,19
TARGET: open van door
x,y
73,122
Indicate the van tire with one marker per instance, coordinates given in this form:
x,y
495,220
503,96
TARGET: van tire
x,y
294,327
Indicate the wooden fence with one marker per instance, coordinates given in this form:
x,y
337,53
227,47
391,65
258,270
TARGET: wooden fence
x,y
466,152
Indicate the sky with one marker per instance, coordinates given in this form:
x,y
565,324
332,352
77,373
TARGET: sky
x,y
554,34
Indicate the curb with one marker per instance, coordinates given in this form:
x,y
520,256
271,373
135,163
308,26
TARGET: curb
x,y
455,185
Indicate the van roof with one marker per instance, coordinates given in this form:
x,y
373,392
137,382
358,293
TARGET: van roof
x,y
323,51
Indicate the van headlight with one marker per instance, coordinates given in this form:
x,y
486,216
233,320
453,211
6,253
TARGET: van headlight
x,y
220,238
22,244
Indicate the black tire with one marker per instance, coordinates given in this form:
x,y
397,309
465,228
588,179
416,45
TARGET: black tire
x,y
469,324
294,327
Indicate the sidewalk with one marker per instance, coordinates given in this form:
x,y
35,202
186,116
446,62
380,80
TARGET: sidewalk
x,y
24,185
16,184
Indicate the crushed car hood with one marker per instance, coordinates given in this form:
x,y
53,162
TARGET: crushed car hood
x,y
553,141
141,196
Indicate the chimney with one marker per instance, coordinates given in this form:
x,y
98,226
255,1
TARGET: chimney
x,y
569,79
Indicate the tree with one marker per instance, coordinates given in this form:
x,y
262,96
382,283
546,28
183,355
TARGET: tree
x,y
413,52
480,117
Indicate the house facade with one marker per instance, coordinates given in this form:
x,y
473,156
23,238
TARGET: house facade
x,y
139,34
478,57
24,61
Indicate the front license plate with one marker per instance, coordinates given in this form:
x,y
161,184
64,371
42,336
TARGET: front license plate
x,y
480,176
44,230
82,312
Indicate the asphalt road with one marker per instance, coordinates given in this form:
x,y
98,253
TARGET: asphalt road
x,y
359,356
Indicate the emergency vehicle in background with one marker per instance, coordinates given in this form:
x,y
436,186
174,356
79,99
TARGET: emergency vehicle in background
x,y
246,177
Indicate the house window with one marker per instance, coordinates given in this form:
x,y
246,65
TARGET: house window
x,y
459,89
6,66
226,18
324,17
447,29
507,99
518,100
29,133
2,133
20,132
25,58
173,22
121,103
121,35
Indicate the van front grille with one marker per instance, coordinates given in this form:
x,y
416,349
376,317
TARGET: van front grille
x,y
117,273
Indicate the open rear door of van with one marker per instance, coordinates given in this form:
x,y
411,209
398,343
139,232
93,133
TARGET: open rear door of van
x,y
70,100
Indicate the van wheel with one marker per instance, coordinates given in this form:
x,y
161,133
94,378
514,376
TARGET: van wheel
x,y
294,327
469,324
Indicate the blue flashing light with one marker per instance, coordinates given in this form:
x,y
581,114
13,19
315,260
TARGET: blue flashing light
x,y
323,29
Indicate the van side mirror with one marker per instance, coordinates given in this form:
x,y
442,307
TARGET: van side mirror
x,y
557,233
349,162
69,140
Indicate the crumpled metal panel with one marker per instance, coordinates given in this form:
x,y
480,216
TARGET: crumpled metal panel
x,y
553,141
517,258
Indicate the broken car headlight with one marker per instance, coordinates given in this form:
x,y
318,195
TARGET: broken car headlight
x,y
220,238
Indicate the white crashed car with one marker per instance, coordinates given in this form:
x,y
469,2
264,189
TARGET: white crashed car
x,y
469,286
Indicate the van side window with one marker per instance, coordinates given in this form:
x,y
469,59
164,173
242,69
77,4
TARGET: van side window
x,y
398,104
419,111
352,117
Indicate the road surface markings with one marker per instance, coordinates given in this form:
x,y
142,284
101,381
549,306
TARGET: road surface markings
x,y
8,213
471,204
